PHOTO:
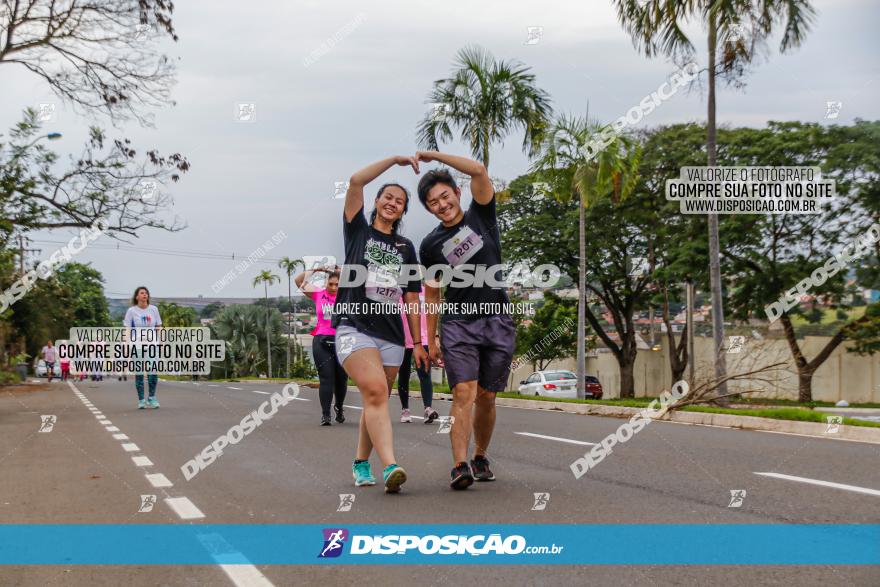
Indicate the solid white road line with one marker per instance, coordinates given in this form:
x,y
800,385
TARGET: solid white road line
x,y
557,439
261,392
142,461
184,508
352,407
130,447
159,480
120,436
854,488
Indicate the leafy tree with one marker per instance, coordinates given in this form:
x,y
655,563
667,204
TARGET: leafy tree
x,y
102,56
107,181
72,296
562,161
556,316
486,100
768,254
83,286
543,230
736,30
211,309
176,316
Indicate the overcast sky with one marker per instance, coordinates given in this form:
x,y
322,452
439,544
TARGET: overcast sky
x,y
360,102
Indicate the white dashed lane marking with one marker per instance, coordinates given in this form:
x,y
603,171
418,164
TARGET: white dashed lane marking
x,y
234,564
159,480
142,461
556,438
184,508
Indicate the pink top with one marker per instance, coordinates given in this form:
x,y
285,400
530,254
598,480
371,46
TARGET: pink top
x,y
323,308
407,336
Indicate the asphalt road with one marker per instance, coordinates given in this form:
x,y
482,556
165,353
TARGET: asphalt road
x,y
292,471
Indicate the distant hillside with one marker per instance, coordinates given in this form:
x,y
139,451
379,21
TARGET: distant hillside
x,y
120,305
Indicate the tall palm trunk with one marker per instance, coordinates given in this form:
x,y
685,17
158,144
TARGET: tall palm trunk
x,y
268,328
714,247
582,298
289,312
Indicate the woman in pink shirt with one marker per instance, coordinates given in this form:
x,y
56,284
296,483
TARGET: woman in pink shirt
x,y
332,377
423,373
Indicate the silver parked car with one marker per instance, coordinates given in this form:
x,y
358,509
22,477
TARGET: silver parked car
x,y
562,384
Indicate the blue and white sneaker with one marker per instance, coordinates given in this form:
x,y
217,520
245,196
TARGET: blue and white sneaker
x,y
153,402
363,474
141,404
394,476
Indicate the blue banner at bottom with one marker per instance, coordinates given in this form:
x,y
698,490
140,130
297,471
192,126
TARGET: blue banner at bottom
x,y
601,544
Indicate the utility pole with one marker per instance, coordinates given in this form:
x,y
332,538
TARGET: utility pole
x,y
689,324
21,253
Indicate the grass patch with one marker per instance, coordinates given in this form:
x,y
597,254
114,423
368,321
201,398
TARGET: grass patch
x,y
829,316
799,414
765,401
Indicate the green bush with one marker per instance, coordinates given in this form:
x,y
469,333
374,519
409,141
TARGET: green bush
x,y
9,378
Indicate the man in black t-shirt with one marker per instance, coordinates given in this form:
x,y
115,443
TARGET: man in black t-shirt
x,y
477,334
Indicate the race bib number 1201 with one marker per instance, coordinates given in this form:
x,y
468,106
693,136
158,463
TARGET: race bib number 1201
x,y
462,246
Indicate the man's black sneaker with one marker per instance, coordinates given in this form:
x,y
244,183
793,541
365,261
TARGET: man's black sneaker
x,y
340,417
325,420
461,476
480,465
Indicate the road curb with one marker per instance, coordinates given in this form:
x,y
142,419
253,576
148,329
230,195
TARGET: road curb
x,y
816,429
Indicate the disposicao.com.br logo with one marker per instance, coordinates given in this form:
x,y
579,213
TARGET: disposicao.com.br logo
x,y
431,544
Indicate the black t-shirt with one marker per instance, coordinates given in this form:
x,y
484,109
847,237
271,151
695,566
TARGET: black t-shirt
x,y
374,308
473,241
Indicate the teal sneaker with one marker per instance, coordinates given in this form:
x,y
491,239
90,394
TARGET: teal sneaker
x,y
394,476
363,474
141,404
152,402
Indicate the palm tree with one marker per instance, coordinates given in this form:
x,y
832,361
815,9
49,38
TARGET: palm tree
x,y
611,173
289,266
486,100
267,278
238,326
740,27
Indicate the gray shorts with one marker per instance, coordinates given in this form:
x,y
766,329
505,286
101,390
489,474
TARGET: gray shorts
x,y
478,350
350,339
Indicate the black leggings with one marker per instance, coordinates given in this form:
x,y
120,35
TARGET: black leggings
x,y
334,381
403,381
